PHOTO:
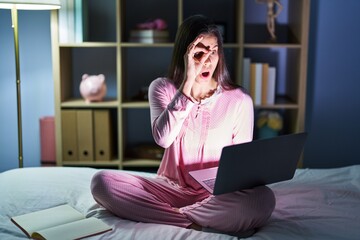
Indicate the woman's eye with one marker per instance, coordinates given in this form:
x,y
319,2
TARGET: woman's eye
x,y
198,55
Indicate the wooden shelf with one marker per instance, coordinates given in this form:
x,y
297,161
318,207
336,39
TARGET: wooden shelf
x,y
89,44
135,105
108,51
80,103
152,45
272,45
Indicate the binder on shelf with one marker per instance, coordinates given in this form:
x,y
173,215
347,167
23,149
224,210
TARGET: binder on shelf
x,y
103,137
69,135
85,135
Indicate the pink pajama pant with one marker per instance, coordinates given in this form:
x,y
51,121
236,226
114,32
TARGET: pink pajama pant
x,y
155,200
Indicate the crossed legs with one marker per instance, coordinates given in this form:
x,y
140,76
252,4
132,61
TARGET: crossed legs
x,y
155,200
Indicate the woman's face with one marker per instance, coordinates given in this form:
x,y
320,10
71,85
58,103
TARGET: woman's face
x,y
208,43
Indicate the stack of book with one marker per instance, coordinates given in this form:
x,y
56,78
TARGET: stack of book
x,y
73,20
260,80
149,36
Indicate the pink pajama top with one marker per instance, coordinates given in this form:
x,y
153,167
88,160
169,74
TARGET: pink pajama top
x,y
193,134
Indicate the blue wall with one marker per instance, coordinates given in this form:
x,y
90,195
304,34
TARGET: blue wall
x,y
333,99
37,86
333,82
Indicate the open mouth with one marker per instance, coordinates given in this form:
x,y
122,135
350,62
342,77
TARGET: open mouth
x,y
205,74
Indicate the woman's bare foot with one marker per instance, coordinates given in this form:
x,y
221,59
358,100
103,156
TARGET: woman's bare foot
x,y
195,227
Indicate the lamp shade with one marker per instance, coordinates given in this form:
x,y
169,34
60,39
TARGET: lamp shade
x,y
30,4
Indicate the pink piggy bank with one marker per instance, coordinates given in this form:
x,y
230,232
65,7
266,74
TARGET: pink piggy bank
x,y
93,87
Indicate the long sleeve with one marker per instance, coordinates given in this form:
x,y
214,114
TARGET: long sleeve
x,y
244,121
168,109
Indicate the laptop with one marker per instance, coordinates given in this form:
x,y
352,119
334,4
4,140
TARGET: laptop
x,y
247,165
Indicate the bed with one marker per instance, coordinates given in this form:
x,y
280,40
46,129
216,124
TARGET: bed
x,y
315,204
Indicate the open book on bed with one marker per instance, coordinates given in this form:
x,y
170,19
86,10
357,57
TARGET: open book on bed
x,y
60,222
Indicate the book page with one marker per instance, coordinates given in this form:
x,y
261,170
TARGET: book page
x,y
47,218
74,230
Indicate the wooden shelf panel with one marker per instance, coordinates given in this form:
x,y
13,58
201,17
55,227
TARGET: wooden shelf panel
x,y
135,105
277,106
272,45
133,44
80,103
89,44
281,102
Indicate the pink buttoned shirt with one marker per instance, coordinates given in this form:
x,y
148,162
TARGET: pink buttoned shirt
x,y
193,134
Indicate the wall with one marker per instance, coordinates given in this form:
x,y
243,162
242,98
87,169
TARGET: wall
x,y
36,85
333,83
333,99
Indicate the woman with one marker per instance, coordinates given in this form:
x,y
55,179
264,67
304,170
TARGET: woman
x,y
195,112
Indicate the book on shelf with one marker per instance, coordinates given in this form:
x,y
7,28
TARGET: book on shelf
x,y
149,36
81,20
255,82
60,222
270,99
70,20
66,22
264,83
246,73
73,20
63,22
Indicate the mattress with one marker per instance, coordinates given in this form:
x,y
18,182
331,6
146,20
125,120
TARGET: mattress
x,y
315,204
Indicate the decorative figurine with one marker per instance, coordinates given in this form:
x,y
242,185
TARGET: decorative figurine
x,y
274,8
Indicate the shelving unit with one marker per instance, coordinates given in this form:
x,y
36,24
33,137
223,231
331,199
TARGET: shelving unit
x,y
130,66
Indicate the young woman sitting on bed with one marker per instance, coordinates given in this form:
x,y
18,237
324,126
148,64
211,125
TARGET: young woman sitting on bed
x,y
195,112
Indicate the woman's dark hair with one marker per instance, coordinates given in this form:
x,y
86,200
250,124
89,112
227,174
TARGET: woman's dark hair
x,y
187,32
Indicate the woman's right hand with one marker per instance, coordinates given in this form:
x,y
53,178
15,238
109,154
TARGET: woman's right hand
x,y
194,60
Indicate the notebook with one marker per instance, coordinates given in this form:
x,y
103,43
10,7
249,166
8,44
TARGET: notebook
x,y
247,165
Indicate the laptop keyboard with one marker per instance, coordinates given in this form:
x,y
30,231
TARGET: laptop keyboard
x,y
210,182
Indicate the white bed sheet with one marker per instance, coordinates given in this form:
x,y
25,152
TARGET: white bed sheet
x,y
316,204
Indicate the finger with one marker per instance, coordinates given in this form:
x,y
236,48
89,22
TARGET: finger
x,y
193,44
197,40
205,57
